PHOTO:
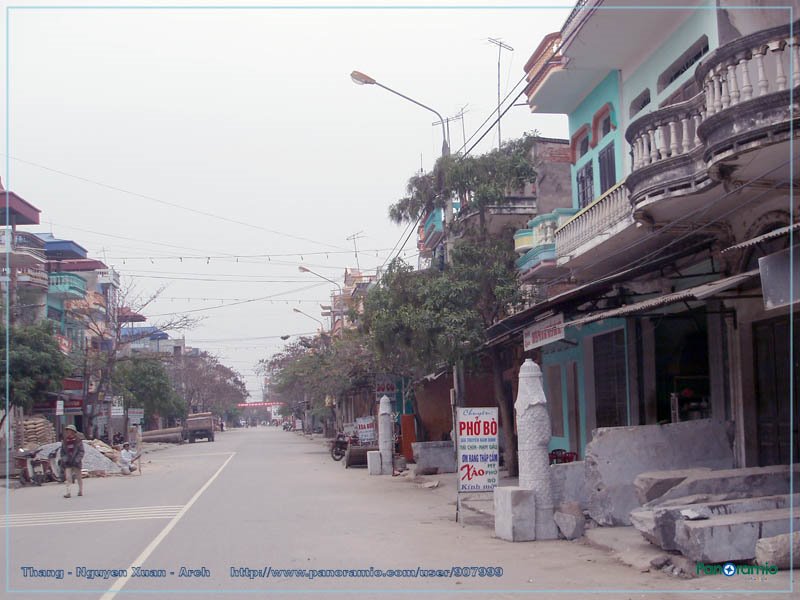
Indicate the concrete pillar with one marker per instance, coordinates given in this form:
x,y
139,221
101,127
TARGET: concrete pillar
x,y
534,430
385,437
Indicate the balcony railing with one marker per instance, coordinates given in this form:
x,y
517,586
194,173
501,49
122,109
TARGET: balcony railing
x,y
747,70
67,285
33,277
24,242
609,209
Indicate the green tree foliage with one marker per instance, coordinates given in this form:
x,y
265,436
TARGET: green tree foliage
x,y
144,383
312,369
477,181
36,365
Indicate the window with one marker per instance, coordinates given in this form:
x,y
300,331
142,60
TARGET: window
x,y
683,64
608,172
585,181
605,127
583,146
640,102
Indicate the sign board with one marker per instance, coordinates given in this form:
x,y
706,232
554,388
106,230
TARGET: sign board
x,y
365,428
780,278
136,415
59,408
385,385
298,424
545,331
349,429
478,450
117,408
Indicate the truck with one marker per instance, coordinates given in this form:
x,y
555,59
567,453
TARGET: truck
x,y
199,425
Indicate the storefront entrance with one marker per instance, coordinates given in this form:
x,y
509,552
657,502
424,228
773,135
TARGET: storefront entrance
x,y
777,377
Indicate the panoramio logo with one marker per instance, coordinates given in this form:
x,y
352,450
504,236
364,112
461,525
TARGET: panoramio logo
x,y
730,569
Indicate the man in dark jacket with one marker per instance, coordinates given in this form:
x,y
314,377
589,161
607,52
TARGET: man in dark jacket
x,y
72,458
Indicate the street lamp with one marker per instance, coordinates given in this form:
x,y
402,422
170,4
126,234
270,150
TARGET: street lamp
x,y
303,269
360,78
321,324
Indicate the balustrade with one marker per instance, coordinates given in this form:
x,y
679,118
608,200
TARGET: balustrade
x,y
602,214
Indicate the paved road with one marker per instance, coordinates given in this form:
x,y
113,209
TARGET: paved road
x,y
264,499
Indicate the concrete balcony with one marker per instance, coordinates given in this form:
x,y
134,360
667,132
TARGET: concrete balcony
x,y
745,105
433,230
593,224
33,277
25,249
67,285
523,241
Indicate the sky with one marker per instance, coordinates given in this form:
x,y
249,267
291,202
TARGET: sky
x,y
210,152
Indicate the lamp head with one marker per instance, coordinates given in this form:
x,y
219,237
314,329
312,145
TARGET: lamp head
x,y
360,78
302,269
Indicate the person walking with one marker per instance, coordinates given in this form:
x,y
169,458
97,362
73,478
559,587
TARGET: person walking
x,y
72,459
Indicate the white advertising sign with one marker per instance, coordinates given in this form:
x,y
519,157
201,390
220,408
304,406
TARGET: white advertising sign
x,y
136,415
365,427
544,332
478,449
117,409
59,408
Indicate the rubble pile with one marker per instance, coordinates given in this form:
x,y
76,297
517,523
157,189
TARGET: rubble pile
x,y
94,461
716,516
37,431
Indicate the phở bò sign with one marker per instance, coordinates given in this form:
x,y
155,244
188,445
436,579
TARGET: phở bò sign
x,y
478,452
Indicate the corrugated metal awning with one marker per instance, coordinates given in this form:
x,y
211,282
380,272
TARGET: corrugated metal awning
x,y
767,236
699,292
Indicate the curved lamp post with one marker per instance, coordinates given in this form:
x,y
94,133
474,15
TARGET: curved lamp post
x,y
360,78
321,324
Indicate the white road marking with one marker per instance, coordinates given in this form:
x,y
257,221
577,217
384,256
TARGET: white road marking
x,y
90,516
140,560
199,455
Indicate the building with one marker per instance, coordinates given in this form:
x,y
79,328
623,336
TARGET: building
x,y
656,294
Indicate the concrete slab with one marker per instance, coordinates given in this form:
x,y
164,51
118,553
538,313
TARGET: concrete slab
x,y
731,537
374,462
733,483
515,514
569,483
653,484
782,551
657,525
616,455
434,455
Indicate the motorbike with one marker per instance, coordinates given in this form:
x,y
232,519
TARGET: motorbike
x,y
32,470
339,446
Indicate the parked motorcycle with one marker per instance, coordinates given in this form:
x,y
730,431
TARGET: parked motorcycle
x,y
32,470
339,446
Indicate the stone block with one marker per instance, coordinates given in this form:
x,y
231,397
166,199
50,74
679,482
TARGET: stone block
x,y
514,514
570,525
730,537
776,551
616,455
654,484
569,483
435,455
658,524
374,462
733,483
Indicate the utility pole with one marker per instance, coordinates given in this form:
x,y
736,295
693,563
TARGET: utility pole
x,y
500,47
354,237
458,116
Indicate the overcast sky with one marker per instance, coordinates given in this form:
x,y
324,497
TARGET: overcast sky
x,y
154,136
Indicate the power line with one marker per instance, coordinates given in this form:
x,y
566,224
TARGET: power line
x,y
172,204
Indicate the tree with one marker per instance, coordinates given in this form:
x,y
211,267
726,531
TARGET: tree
x,y
423,320
144,383
206,384
36,363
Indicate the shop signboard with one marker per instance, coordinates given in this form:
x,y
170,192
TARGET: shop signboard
x,y
365,428
780,278
478,449
59,408
136,415
543,332
117,408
